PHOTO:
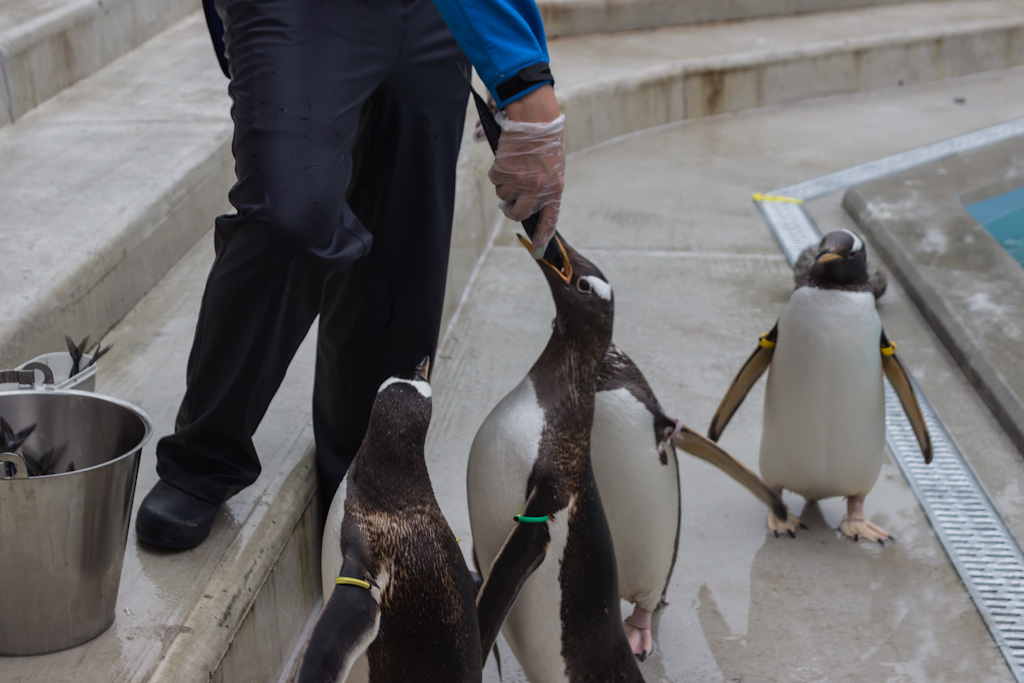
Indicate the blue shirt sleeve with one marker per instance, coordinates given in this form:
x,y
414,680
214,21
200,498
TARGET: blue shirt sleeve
x,y
500,37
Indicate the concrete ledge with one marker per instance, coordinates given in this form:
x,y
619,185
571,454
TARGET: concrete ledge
x,y
46,45
633,100
962,280
262,593
106,186
577,17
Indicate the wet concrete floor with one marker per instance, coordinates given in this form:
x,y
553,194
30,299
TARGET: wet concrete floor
x,y
697,278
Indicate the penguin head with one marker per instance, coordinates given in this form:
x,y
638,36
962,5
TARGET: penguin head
x,y
584,304
841,260
403,403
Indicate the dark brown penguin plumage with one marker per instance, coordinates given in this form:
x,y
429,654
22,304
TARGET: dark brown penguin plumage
x,y
417,621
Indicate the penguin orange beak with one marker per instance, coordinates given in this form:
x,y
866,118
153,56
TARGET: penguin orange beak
x,y
828,256
566,271
423,369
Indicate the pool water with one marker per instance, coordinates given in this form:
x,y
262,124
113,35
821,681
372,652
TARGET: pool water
x,y
1003,217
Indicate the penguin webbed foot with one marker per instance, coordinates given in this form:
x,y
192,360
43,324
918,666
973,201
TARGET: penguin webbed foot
x,y
787,526
857,527
638,632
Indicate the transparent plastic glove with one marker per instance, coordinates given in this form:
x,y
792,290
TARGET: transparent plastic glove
x,y
528,174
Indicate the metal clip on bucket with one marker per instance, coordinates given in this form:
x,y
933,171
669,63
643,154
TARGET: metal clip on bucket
x,y
25,376
17,468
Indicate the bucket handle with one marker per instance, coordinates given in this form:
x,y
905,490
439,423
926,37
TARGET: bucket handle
x,y
26,377
19,466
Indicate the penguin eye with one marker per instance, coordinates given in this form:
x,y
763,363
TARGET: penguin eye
x,y
583,285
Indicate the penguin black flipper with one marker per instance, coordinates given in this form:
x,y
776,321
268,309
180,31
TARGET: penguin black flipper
x,y
478,583
346,627
899,378
523,551
745,379
708,451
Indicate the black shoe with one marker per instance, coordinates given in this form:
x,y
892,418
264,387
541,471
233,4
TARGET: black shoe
x,y
171,518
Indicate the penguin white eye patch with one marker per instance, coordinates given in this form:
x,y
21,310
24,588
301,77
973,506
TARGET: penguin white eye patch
x,y
591,283
420,386
857,243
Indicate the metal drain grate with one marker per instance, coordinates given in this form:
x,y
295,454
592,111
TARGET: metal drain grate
x,y
980,547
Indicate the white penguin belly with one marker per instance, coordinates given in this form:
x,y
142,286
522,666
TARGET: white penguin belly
x,y
824,416
500,462
330,568
640,495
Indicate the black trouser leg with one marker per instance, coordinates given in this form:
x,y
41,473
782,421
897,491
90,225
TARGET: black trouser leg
x,y
381,317
301,72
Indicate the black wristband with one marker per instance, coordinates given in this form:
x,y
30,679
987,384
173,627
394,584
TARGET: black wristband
x,y
526,78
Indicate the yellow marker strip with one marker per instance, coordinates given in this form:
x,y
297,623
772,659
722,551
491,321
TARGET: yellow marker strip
x,y
345,581
889,350
766,343
758,197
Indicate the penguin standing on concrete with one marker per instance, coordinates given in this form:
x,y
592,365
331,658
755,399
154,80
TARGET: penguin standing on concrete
x,y
539,530
824,410
402,608
633,449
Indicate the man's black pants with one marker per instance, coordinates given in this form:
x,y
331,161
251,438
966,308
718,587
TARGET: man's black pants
x,y
348,118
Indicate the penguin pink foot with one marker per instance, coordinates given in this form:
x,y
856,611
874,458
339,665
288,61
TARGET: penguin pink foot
x,y
779,527
856,526
638,632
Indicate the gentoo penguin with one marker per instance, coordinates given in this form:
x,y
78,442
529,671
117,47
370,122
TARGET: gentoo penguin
x,y
539,530
824,414
402,608
633,450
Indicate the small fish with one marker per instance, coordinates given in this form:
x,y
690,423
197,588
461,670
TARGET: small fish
x,y
76,351
11,440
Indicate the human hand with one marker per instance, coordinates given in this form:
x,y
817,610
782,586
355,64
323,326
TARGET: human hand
x,y
529,163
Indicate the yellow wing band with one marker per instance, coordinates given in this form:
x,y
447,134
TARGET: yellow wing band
x,y
346,581
889,350
765,342
758,197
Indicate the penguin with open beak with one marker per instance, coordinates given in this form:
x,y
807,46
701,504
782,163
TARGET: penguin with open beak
x,y
399,600
824,414
540,534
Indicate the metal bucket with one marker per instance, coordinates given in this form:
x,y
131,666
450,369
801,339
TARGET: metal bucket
x,y
62,536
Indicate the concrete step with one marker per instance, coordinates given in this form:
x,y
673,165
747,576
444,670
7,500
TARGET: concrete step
x,y
624,82
106,186
46,45
130,165
580,17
